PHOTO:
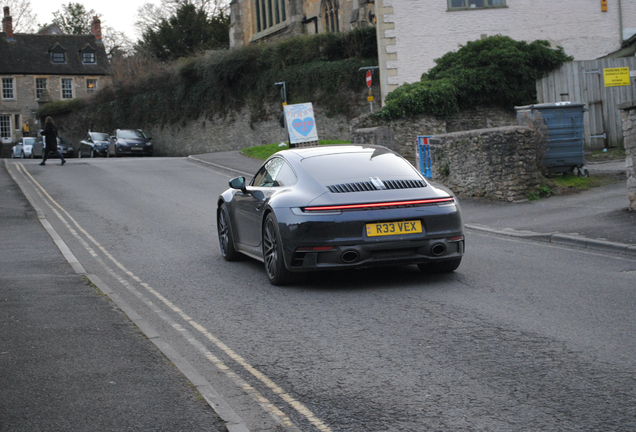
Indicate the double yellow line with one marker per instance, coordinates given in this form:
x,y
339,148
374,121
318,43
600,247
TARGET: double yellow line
x,y
75,229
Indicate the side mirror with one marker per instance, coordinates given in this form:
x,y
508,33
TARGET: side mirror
x,y
238,183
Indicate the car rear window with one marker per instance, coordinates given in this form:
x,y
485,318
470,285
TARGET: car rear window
x,y
357,167
131,134
99,136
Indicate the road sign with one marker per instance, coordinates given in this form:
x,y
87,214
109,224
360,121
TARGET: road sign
x,y
369,79
616,76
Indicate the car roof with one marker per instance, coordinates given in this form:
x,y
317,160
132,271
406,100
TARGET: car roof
x,y
307,152
347,163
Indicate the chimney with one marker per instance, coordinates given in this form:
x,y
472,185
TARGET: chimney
x,y
7,23
96,29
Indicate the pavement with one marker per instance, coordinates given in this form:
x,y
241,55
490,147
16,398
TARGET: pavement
x,y
74,356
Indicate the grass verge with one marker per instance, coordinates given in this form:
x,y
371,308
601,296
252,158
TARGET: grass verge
x,y
264,151
568,184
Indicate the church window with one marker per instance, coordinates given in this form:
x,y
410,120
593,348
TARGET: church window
x,y
330,11
268,13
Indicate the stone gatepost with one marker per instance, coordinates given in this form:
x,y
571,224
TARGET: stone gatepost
x,y
628,113
497,163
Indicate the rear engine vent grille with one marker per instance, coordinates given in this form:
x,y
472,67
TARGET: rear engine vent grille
x,y
352,187
368,186
403,184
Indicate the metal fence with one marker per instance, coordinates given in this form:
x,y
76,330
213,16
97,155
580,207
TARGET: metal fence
x,y
583,81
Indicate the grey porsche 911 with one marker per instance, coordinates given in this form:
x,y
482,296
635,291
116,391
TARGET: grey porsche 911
x,y
339,207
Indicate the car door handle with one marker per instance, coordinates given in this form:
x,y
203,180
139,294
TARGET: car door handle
x,y
258,207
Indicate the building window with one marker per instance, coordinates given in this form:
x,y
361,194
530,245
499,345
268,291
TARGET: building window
x,y
269,13
475,4
88,57
40,86
330,11
7,88
91,85
58,57
67,88
16,122
5,127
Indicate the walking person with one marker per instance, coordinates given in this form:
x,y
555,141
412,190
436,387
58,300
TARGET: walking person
x,y
50,140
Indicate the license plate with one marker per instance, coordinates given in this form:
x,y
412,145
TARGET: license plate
x,y
137,148
394,228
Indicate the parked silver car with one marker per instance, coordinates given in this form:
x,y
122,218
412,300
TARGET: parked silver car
x,y
24,148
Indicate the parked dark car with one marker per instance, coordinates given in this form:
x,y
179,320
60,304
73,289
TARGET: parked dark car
x,y
339,207
63,146
23,149
94,144
127,142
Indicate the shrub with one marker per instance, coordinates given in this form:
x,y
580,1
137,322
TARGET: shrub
x,y
429,97
493,71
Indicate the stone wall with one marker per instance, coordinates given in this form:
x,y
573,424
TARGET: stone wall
x,y
628,114
232,132
497,163
406,131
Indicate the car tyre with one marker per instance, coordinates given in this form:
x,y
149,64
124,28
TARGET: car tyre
x,y
79,154
446,266
273,258
226,239
21,155
92,153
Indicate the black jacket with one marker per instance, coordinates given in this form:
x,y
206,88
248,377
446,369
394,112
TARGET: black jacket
x,y
50,136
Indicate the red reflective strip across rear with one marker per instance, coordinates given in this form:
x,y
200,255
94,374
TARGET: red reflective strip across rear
x,y
314,249
380,204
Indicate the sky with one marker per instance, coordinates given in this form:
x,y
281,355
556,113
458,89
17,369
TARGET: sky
x,y
118,14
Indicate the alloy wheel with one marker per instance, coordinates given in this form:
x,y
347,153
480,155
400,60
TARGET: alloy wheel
x,y
270,248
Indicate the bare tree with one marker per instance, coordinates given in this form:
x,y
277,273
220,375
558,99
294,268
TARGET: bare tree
x,y
24,20
115,42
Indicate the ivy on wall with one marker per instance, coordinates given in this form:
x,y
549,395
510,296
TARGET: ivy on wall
x,y
322,69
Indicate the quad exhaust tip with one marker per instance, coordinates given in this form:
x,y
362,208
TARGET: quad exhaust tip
x,y
438,249
349,256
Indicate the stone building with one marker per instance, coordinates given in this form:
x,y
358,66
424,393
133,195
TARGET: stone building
x,y
262,20
413,33
45,67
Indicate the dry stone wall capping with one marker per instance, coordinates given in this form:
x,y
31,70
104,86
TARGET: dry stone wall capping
x,y
497,163
628,115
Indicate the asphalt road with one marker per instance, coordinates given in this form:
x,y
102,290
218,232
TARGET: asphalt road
x,y
525,336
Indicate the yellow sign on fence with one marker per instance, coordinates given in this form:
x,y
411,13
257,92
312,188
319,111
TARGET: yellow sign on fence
x,y
615,77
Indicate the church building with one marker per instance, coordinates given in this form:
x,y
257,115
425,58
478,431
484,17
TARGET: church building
x,y
265,20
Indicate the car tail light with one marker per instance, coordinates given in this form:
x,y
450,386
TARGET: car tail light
x,y
456,239
369,206
315,249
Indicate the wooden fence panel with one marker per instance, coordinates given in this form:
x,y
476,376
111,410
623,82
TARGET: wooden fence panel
x,y
582,81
